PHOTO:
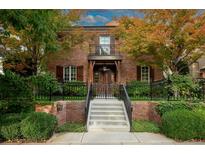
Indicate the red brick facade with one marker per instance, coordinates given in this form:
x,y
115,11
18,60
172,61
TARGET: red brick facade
x,y
78,56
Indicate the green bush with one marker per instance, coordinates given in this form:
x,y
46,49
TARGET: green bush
x,y
183,125
145,126
38,126
71,127
183,86
10,125
164,107
15,92
75,89
11,131
138,89
43,83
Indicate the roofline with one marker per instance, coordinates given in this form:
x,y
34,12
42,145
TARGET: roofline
x,y
88,27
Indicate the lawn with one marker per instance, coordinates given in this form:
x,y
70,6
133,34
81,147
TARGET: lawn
x,y
71,127
145,126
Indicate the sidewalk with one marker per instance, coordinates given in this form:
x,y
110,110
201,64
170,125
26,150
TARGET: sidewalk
x,y
94,138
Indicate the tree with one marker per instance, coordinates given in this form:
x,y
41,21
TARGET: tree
x,y
169,39
35,32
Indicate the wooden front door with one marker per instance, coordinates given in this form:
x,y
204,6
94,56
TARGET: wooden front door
x,y
104,84
106,77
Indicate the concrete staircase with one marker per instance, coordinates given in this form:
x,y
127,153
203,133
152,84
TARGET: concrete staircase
x,y
107,115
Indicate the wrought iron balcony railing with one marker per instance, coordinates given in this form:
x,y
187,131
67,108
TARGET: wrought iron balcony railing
x,y
106,51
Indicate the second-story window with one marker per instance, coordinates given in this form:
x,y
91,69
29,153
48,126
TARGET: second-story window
x,y
70,73
104,45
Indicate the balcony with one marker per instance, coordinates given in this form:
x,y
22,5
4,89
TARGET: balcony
x,y
104,52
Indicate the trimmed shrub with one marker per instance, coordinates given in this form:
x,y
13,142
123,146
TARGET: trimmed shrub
x,y
10,125
183,125
138,89
11,131
164,107
38,126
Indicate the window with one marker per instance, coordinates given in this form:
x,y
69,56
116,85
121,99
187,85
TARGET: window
x,y
104,45
145,73
70,73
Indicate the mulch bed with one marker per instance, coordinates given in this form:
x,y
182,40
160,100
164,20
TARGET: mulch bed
x,y
21,141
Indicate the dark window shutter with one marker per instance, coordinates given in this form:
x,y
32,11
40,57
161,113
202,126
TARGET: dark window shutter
x,y
59,73
151,73
80,73
139,73
112,44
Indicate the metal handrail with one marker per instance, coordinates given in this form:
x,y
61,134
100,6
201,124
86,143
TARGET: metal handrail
x,y
87,103
127,102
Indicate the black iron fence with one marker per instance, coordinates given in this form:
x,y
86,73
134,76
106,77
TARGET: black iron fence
x,y
163,90
63,91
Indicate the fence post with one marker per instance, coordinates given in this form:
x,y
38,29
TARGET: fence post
x,y
168,89
50,93
151,89
63,89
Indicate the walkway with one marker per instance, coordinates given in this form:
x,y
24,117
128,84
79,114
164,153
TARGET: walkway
x,y
109,138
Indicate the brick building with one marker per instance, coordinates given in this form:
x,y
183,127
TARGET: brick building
x,y
99,60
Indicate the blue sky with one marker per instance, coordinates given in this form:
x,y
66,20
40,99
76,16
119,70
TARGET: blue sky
x,y
101,17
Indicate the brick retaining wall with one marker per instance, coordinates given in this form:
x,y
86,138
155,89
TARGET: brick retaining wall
x,y
70,111
145,111
74,111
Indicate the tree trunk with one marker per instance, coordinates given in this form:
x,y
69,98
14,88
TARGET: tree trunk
x,y
35,60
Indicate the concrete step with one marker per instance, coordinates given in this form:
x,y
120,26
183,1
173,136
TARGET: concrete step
x,y
108,122
97,112
110,128
107,117
93,108
106,104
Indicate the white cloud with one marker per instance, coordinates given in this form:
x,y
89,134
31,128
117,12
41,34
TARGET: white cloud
x,y
100,18
90,19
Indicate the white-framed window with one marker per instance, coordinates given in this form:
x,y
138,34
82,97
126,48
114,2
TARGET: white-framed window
x,y
145,73
104,45
70,73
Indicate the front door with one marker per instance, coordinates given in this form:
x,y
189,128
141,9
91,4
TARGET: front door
x,y
104,83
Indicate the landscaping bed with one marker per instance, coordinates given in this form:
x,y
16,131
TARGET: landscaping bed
x,y
27,127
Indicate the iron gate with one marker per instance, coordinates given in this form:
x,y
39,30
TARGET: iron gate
x,y
101,90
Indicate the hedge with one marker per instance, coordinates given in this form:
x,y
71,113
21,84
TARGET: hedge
x,y
38,126
164,107
10,125
184,124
